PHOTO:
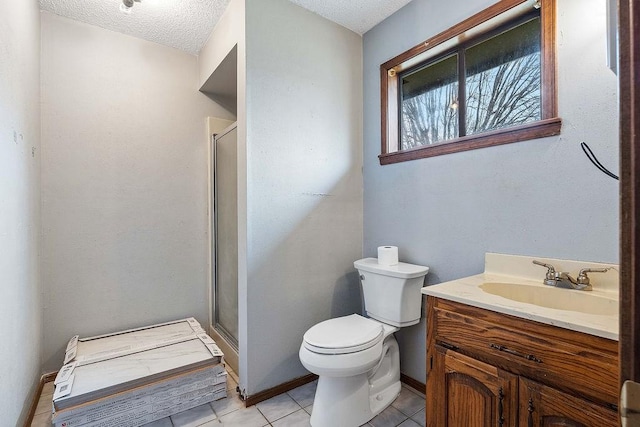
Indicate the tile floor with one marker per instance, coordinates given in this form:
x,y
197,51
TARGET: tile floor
x,y
291,409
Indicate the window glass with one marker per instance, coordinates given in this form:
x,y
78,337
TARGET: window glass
x,y
503,79
429,104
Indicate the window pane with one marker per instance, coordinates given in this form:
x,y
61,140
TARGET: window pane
x,y
503,79
429,104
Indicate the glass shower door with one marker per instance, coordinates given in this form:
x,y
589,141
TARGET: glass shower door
x,y
225,295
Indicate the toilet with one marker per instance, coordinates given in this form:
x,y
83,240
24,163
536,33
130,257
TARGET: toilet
x,y
357,358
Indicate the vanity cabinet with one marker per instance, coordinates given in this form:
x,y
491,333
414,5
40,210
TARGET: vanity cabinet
x,y
477,394
490,369
546,406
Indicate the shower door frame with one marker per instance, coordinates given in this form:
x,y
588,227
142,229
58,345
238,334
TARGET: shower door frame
x,y
227,343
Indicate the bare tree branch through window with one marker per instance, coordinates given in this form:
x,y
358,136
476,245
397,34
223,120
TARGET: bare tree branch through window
x,y
502,89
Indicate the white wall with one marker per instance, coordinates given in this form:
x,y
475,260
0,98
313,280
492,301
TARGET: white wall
x,y
20,303
304,151
124,183
540,197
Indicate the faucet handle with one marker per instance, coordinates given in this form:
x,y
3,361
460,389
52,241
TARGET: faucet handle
x,y
550,277
551,271
583,279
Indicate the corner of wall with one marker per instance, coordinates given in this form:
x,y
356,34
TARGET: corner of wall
x,y
228,32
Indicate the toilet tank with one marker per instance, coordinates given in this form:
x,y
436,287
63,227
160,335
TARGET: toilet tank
x,y
392,293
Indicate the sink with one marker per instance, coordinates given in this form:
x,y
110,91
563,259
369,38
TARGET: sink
x,y
550,297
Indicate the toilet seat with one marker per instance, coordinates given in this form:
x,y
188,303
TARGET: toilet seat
x,y
343,335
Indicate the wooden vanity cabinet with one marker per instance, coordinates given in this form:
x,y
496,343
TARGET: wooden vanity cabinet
x,y
545,406
490,369
489,394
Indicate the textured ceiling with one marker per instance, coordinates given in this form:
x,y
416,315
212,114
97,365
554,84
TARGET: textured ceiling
x,y
183,24
357,15
186,24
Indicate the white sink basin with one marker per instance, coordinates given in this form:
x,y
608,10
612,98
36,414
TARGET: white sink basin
x,y
549,297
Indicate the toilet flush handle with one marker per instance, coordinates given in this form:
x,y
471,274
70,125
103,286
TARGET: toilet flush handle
x,y
362,277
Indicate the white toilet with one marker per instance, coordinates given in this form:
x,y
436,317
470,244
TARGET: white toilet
x,y
357,358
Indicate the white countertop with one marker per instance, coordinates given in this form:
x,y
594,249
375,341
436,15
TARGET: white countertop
x,y
468,291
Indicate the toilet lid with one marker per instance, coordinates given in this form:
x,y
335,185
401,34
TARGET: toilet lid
x,y
341,335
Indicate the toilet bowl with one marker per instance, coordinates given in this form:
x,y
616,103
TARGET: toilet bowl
x,y
359,374
357,358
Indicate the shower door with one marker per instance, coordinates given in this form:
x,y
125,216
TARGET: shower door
x,y
225,218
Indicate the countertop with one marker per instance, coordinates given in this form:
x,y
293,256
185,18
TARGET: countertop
x,y
467,290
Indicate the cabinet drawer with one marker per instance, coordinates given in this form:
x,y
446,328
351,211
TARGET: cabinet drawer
x,y
568,360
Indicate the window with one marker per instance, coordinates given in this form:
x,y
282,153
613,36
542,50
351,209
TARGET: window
x,y
487,81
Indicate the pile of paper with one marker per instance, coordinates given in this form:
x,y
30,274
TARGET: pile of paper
x,y
130,378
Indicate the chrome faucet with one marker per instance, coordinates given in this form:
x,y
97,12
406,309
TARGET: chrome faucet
x,y
561,279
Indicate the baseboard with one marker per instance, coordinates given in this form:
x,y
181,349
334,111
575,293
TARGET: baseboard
x,y
36,396
415,384
279,389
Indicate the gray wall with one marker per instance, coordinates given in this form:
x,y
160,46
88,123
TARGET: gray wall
x,y
20,301
539,197
304,193
124,183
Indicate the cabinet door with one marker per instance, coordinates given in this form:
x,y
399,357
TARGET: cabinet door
x,y
476,394
542,406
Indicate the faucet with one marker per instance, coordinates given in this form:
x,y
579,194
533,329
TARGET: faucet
x,y
561,279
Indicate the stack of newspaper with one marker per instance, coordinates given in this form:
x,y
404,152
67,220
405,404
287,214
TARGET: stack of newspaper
x,y
134,377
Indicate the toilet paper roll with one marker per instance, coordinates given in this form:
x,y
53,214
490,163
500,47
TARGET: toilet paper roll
x,y
387,255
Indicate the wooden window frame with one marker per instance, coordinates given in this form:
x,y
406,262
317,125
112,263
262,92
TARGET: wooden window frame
x,y
471,28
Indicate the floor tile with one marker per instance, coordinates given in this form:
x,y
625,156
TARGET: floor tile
x,y
44,404
281,411
299,418
419,417
47,389
193,417
247,417
390,417
409,423
229,404
231,383
42,420
413,390
304,394
408,402
278,407
231,372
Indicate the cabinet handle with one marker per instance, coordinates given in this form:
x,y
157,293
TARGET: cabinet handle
x,y
448,346
500,408
515,353
530,409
